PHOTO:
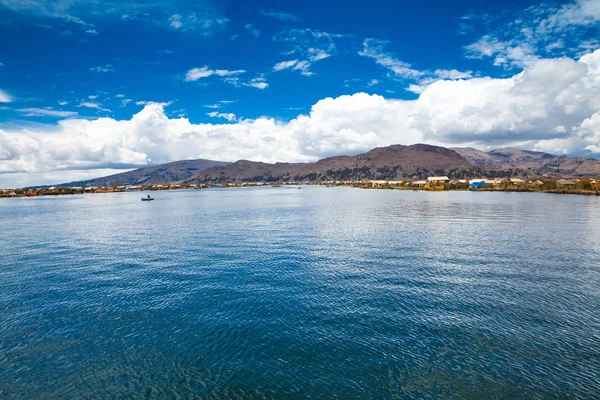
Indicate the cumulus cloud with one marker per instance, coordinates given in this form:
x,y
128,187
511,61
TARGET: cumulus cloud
x,y
552,106
547,101
438,74
5,97
204,72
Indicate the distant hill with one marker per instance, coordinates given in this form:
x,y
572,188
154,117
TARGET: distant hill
x,y
173,172
532,162
394,162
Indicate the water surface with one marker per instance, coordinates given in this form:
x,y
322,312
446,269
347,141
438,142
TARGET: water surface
x,y
319,292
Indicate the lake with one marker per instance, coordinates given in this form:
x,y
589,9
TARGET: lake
x,y
312,293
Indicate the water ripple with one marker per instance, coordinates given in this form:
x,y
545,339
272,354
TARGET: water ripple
x,y
319,293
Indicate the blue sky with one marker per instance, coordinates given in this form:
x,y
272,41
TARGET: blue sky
x,y
89,87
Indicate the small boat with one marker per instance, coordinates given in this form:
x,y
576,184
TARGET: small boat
x,y
147,198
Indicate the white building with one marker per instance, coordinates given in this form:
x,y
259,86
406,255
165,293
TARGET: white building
x,y
441,179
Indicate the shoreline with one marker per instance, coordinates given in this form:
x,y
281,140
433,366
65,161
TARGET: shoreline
x,y
29,193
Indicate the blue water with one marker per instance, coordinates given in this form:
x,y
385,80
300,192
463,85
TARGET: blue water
x,y
286,293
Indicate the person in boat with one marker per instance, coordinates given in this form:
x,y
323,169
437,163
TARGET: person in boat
x,y
148,197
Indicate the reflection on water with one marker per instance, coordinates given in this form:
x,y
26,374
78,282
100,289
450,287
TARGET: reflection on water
x,y
264,292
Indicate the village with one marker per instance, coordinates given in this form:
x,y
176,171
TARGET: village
x,y
586,186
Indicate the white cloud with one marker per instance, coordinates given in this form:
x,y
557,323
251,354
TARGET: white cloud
x,y
63,103
219,104
303,68
317,54
258,83
308,46
193,21
283,16
93,96
284,65
452,74
160,103
509,53
228,116
175,21
124,102
119,96
568,16
90,104
204,72
184,16
45,112
295,65
47,9
373,82
106,68
252,29
373,48
5,97
547,101
438,74
539,31
553,105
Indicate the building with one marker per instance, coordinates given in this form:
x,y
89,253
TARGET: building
x,y
564,183
438,179
517,181
482,180
478,184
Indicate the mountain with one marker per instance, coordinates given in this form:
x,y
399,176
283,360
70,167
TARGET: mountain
x,y
532,162
392,162
173,172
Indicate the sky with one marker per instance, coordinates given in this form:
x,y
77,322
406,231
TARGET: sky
x,y
90,87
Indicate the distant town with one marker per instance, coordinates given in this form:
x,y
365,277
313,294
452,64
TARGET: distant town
x,y
586,186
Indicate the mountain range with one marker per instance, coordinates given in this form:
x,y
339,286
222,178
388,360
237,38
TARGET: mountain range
x,y
391,163
532,162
